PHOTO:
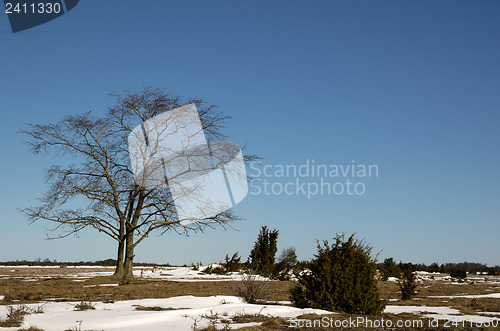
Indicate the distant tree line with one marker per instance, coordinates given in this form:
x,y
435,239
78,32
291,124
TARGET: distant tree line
x,y
389,268
54,263
469,267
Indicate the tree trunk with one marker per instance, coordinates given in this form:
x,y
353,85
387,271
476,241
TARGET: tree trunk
x,y
129,257
119,271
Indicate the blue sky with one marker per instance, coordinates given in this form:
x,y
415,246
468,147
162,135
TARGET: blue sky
x,y
411,86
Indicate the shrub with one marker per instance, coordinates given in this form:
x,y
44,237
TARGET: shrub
x,y
434,267
342,277
458,273
252,289
37,310
23,296
15,316
492,271
232,264
262,256
211,269
76,328
84,306
389,269
196,266
408,283
286,263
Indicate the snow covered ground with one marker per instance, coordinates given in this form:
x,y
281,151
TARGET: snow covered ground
x,y
179,274
184,312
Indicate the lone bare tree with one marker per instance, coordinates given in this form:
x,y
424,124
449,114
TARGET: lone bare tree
x,y
99,188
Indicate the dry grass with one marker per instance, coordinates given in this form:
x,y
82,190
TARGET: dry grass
x,y
19,291
390,290
417,322
155,308
428,291
254,318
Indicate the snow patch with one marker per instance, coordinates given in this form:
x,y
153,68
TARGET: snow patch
x,y
441,313
184,312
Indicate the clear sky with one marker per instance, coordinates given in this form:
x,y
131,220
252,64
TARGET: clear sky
x,y
411,86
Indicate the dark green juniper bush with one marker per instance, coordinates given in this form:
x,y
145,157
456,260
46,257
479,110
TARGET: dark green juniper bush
x,y
389,269
340,278
263,254
408,284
